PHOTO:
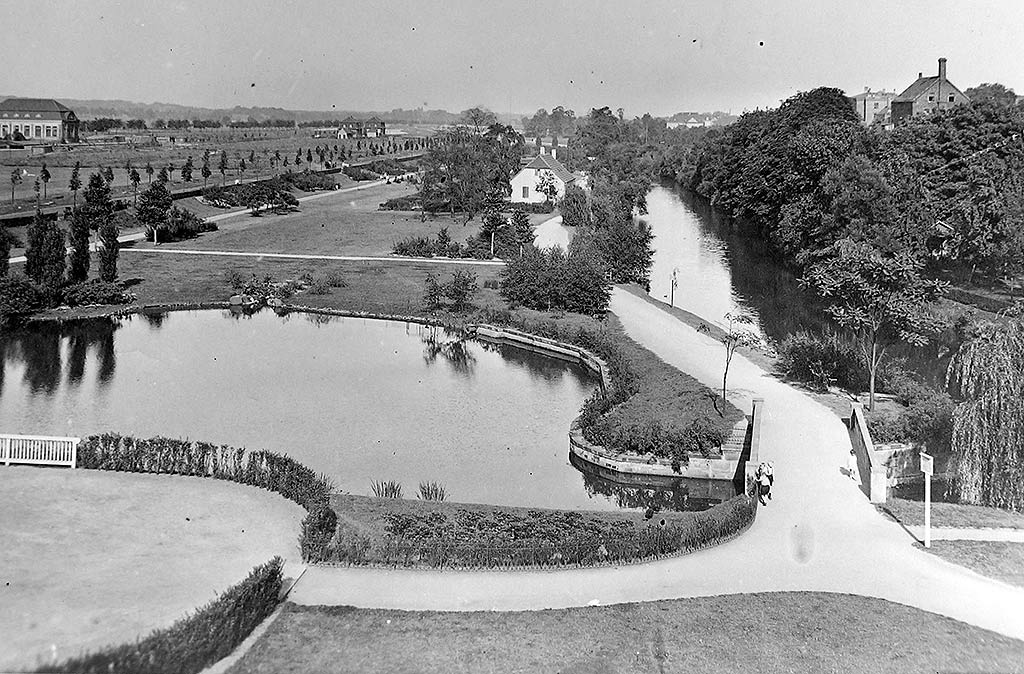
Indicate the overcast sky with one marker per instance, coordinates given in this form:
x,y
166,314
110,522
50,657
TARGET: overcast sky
x,y
651,55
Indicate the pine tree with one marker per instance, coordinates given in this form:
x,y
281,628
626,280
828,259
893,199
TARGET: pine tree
x,y
75,183
108,253
44,257
44,175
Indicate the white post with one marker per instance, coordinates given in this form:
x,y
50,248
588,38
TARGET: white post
x,y
927,467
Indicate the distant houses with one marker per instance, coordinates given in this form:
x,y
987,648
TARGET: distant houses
x,y
362,128
873,106
927,94
39,120
524,183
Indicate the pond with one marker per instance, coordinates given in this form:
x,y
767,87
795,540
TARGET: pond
x,y
360,400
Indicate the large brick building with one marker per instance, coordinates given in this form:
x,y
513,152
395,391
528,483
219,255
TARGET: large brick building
x,y
362,128
927,94
37,119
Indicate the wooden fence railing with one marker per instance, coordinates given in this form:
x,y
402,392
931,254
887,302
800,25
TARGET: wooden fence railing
x,y
41,450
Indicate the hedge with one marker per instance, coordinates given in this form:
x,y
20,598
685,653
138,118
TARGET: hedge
x,y
707,528
194,642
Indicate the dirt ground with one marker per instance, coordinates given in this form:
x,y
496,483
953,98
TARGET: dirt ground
x,y
91,558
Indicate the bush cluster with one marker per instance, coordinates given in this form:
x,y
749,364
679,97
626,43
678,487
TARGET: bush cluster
x,y
822,360
550,279
179,225
457,294
408,202
196,642
924,417
309,181
359,173
543,207
388,167
275,192
541,538
19,296
96,292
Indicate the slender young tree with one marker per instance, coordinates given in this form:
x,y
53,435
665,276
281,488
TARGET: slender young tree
x,y
75,183
108,174
149,172
205,170
163,176
127,173
15,181
44,175
78,256
35,188
134,178
186,170
222,166
44,257
108,251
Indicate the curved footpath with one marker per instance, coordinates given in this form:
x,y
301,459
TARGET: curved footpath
x,y
818,534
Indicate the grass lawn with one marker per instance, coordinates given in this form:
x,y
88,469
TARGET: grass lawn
x,y
996,559
783,632
342,224
91,558
950,514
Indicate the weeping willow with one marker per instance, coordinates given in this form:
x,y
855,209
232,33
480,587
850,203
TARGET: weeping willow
x,y
987,376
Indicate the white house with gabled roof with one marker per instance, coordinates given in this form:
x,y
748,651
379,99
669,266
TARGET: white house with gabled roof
x,y
524,183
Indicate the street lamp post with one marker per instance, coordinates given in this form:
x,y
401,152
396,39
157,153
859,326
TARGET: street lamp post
x,y
675,282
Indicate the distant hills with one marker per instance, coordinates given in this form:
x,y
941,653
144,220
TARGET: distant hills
x,y
91,109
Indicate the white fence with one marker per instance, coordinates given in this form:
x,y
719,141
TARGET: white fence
x,y
39,450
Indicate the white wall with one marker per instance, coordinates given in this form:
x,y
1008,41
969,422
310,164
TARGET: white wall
x,y
529,178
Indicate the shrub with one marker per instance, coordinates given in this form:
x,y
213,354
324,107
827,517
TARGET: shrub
x,y
389,489
550,279
544,207
414,246
96,292
358,173
457,294
431,491
234,278
821,360
335,279
308,181
409,202
319,286
19,296
180,224
318,529
196,642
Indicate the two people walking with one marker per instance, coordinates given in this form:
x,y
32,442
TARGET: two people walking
x,y
765,477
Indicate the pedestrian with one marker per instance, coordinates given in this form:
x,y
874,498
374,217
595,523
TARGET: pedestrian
x,y
851,467
764,485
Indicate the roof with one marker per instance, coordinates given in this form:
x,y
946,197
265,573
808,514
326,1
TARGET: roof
x,y
37,105
914,91
374,120
545,162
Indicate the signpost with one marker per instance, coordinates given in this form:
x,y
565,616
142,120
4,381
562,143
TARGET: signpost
x,y
927,467
675,282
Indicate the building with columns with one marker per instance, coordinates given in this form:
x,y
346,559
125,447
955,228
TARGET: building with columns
x,y
37,119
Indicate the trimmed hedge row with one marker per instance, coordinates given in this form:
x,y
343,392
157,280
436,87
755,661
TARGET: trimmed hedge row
x,y
194,642
705,529
276,472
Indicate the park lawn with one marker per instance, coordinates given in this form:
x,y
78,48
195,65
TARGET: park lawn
x,y
802,632
957,515
1001,560
386,287
338,224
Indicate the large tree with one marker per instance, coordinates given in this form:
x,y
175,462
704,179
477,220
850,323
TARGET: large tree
x,y
153,206
881,298
98,206
44,256
987,378
78,255
108,251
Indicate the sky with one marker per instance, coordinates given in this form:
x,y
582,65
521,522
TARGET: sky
x,y
657,56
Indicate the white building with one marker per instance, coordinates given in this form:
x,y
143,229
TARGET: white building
x,y
37,119
524,183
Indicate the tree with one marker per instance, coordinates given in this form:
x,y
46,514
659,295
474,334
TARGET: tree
x,y
15,181
149,172
734,336
44,175
186,170
44,256
75,183
479,118
108,174
547,186
109,250
205,170
574,207
163,176
98,206
880,298
5,251
35,188
522,230
987,377
78,256
134,178
994,92
222,165
153,206
491,223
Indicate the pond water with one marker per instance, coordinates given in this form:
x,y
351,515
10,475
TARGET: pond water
x,y
360,400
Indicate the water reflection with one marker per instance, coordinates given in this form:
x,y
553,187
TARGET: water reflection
x,y
652,494
450,345
549,369
40,347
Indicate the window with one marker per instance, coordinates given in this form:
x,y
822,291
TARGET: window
x,y
931,97
876,105
951,98
39,131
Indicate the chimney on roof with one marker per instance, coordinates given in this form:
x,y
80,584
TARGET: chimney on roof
x,y
942,68
920,75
